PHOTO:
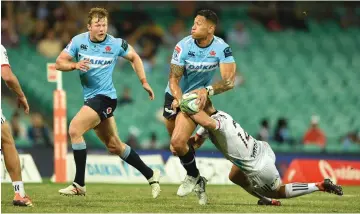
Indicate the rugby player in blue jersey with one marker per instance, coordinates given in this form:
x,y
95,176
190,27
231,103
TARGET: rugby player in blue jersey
x,y
96,53
193,65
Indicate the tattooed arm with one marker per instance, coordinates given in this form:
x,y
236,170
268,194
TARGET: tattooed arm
x,y
176,72
228,78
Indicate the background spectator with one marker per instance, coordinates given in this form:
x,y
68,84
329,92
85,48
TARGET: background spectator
x,y
38,133
282,132
314,135
126,97
264,133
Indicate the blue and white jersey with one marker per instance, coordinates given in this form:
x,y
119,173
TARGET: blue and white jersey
x,y
200,63
103,57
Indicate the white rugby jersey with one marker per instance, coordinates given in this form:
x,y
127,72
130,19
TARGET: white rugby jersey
x,y
4,58
233,141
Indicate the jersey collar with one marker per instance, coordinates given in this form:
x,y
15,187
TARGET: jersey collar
x,y
205,46
98,41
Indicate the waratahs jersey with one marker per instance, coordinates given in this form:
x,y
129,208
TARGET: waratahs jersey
x,y
200,63
103,57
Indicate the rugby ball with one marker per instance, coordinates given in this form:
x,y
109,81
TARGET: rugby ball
x,y
188,103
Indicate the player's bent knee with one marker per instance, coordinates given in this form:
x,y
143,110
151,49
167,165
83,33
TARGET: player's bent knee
x,y
74,131
178,144
114,145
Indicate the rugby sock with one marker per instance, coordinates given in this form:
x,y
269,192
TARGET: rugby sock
x,y
297,189
79,150
189,163
19,188
132,158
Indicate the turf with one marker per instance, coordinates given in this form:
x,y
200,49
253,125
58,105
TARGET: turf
x,y
118,198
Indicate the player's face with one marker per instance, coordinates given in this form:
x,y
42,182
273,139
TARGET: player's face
x,y
98,28
201,28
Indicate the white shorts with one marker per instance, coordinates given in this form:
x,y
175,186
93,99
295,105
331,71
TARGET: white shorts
x,y
268,178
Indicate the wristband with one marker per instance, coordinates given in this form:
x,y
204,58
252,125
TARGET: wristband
x,y
210,90
143,81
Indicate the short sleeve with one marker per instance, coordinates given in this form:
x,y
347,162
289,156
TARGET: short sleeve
x,y
124,48
202,132
4,57
178,55
72,48
226,55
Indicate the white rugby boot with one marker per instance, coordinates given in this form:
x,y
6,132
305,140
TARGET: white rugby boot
x,y
154,183
73,189
187,185
200,191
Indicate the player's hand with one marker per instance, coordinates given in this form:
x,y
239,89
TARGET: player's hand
x,y
175,104
22,101
83,65
147,88
202,97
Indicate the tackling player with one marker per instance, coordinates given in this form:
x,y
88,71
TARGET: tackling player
x,y
11,157
96,53
253,161
193,65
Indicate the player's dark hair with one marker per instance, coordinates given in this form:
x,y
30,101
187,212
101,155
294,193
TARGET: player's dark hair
x,y
97,12
209,15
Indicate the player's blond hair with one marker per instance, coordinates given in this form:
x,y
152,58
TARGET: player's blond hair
x,y
97,12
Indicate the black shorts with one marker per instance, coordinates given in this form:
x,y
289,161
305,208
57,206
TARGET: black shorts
x,y
103,105
169,113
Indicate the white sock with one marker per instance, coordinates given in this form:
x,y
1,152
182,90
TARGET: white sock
x,y
19,188
296,189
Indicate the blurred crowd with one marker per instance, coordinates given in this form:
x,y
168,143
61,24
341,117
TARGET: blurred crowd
x,y
49,26
313,135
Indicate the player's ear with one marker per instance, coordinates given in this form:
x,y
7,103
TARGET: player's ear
x,y
88,27
212,29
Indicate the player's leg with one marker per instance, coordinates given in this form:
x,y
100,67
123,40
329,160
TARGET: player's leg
x,y
238,177
184,127
292,190
170,115
12,164
87,118
107,132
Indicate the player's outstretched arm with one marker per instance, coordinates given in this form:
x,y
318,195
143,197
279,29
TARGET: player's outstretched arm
x,y
205,121
176,73
138,67
64,63
13,83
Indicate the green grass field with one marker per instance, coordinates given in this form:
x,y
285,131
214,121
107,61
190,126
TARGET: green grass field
x,y
118,198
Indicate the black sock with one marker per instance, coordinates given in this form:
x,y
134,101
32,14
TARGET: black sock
x,y
80,162
132,158
189,163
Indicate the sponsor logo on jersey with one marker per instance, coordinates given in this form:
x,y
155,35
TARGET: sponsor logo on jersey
x,y
212,53
191,53
99,61
255,149
201,66
124,45
96,61
83,47
227,52
176,54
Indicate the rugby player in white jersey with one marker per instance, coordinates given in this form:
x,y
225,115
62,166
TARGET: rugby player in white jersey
x,y
253,161
11,157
